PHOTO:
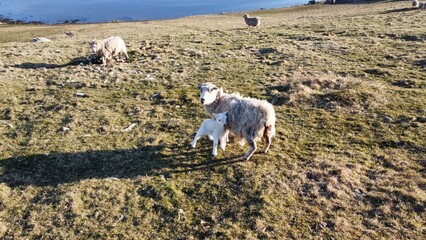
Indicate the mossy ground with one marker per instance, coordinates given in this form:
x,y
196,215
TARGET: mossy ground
x,y
348,83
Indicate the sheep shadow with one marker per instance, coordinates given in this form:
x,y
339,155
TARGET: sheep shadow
x,y
59,168
73,62
420,63
399,10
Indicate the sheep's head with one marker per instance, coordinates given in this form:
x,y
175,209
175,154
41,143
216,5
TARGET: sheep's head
x,y
246,16
220,118
95,45
415,3
208,93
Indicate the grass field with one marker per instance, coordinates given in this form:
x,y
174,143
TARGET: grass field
x,y
348,84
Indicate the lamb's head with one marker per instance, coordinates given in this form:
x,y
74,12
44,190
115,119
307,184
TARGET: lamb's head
x,y
220,118
246,16
209,93
95,45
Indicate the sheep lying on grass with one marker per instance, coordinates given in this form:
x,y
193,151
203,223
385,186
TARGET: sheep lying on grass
x,y
40,40
247,118
108,48
69,33
252,21
215,129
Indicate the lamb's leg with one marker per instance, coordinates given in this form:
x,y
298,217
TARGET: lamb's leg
x,y
197,136
252,149
215,141
223,141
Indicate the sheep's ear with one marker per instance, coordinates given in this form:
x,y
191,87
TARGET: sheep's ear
x,y
221,90
226,113
199,87
214,115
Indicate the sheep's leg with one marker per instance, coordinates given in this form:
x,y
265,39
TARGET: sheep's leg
x,y
226,136
252,149
223,141
197,136
267,144
215,141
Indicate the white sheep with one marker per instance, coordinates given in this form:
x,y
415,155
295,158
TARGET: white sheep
x,y
248,118
252,21
40,40
215,129
108,48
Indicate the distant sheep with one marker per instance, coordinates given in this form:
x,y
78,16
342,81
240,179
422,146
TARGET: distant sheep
x,y
69,33
40,40
252,21
248,118
215,129
108,48
419,5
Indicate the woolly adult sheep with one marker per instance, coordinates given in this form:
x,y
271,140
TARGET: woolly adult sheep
x,y
248,118
252,21
108,48
215,129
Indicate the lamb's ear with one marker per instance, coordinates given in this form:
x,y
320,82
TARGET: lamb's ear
x,y
226,113
214,116
221,90
199,87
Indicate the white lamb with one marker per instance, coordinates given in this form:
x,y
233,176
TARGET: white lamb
x,y
216,130
108,48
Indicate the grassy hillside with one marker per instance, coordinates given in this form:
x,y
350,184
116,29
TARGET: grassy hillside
x,y
348,83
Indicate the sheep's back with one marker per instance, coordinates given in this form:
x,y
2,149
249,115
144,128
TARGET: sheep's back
x,y
248,117
253,21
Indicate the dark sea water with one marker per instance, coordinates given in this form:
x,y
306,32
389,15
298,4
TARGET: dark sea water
x,y
85,11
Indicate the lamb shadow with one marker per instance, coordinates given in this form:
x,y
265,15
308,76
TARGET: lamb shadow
x,y
73,62
59,168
